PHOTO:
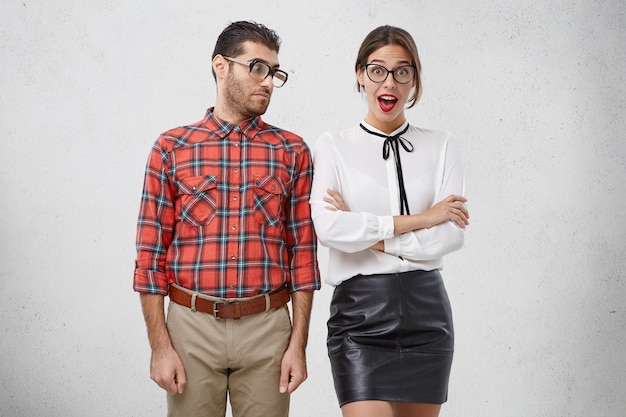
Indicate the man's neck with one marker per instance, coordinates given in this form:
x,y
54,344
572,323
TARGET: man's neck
x,y
227,115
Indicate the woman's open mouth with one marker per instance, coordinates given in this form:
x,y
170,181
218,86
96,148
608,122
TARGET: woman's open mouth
x,y
387,102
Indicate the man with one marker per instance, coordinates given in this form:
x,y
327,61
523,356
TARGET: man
x,y
224,229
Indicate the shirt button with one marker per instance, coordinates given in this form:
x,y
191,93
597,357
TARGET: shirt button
x,y
233,257
273,187
232,285
235,198
235,169
233,227
236,145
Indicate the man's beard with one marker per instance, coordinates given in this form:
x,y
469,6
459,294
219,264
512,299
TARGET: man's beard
x,y
238,99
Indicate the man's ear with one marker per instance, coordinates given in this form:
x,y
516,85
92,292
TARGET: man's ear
x,y
220,66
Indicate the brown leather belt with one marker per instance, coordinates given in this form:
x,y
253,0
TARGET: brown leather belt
x,y
231,309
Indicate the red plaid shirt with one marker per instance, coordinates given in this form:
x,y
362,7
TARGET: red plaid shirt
x,y
225,211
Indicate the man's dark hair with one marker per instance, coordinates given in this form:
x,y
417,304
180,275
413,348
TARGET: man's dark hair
x,y
231,40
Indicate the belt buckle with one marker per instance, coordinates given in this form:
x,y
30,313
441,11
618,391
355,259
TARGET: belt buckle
x,y
216,305
235,304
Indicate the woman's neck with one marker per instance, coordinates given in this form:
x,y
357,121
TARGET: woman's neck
x,y
386,127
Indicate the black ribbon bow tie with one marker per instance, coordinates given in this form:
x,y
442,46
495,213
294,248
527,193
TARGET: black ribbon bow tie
x,y
394,142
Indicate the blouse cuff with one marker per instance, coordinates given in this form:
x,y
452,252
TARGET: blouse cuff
x,y
393,246
385,227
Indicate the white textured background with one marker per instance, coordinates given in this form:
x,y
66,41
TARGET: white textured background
x,y
535,91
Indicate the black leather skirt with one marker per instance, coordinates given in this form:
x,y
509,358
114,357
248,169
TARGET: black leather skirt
x,y
391,338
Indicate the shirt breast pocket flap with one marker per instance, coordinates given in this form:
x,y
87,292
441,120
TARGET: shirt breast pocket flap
x,y
269,194
198,199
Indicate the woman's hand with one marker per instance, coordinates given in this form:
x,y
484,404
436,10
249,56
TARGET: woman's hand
x,y
380,246
336,200
451,208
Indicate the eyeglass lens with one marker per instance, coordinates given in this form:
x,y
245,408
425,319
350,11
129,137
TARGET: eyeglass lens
x,y
378,73
260,70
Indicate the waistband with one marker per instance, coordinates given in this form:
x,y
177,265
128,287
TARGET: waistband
x,y
224,308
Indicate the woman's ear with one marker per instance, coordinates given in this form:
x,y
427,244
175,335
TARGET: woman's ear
x,y
359,76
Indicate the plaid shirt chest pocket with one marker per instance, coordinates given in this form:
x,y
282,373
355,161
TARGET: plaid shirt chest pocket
x,y
197,199
269,194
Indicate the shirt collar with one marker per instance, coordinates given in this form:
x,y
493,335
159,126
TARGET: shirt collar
x,y
250,128
399,129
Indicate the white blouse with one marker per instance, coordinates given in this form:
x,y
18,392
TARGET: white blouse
x,y
351,162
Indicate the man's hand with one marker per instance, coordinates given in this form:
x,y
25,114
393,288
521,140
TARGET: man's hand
x,y
293,366
292,370
166,369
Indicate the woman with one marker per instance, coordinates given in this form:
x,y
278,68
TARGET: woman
x,y
388,201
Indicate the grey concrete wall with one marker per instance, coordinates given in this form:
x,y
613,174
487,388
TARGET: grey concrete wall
x,y
535,92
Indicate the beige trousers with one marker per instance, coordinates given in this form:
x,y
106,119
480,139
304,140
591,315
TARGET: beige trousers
x,y
226,357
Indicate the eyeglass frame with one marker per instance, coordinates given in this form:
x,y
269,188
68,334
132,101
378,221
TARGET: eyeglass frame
x,y
392,72
270,71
